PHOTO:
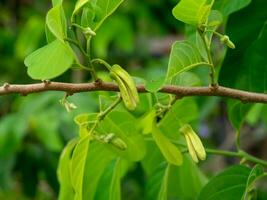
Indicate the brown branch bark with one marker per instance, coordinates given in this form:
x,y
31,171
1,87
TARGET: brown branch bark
x,y
72,88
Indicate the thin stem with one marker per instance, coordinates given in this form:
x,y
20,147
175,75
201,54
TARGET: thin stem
x,y
100,61
109,109
239,154
88,50
103,114
238,139
224,153
207,48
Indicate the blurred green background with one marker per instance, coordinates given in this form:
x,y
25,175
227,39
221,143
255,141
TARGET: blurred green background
x,y
35,128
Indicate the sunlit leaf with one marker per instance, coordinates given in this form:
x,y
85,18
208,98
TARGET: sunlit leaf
x,y
97,11
171,153
56,22
194,12
184,56
49,61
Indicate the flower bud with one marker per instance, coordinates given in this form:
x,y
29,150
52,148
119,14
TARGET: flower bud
x,y
226,40
194,144
126,85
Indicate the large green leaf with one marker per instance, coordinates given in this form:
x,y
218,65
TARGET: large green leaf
x,y
63,172
171,153
228,7
194,12
172,182
95,12
111,180
56,22
78,163
49,61
97,161
123,125
184,56
231,184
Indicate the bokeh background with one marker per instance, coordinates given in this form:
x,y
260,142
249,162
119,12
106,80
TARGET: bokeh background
x,y
35,128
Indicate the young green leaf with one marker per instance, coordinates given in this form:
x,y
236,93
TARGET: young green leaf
x,y
171,153
49,61
95,13
194,12
184,56
56,22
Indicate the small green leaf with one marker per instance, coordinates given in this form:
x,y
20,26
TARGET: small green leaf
x,y
171,153
95,12
56,22
230,184
49,61
63,172
184,56
194,12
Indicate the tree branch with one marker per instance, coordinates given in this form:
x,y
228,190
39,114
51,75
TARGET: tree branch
x,y
180,91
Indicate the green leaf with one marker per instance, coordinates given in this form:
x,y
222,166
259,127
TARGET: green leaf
x,y
63,172
78,163
172,182
184,56
194,12
230,184
123,125
79,4
171,153
56,22
237,112
155,84
228,7
49,61
85,121
255,174
95,12
97,160
111,180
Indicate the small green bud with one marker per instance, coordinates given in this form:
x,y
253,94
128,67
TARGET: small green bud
x,y
89,32
194,144
226,40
